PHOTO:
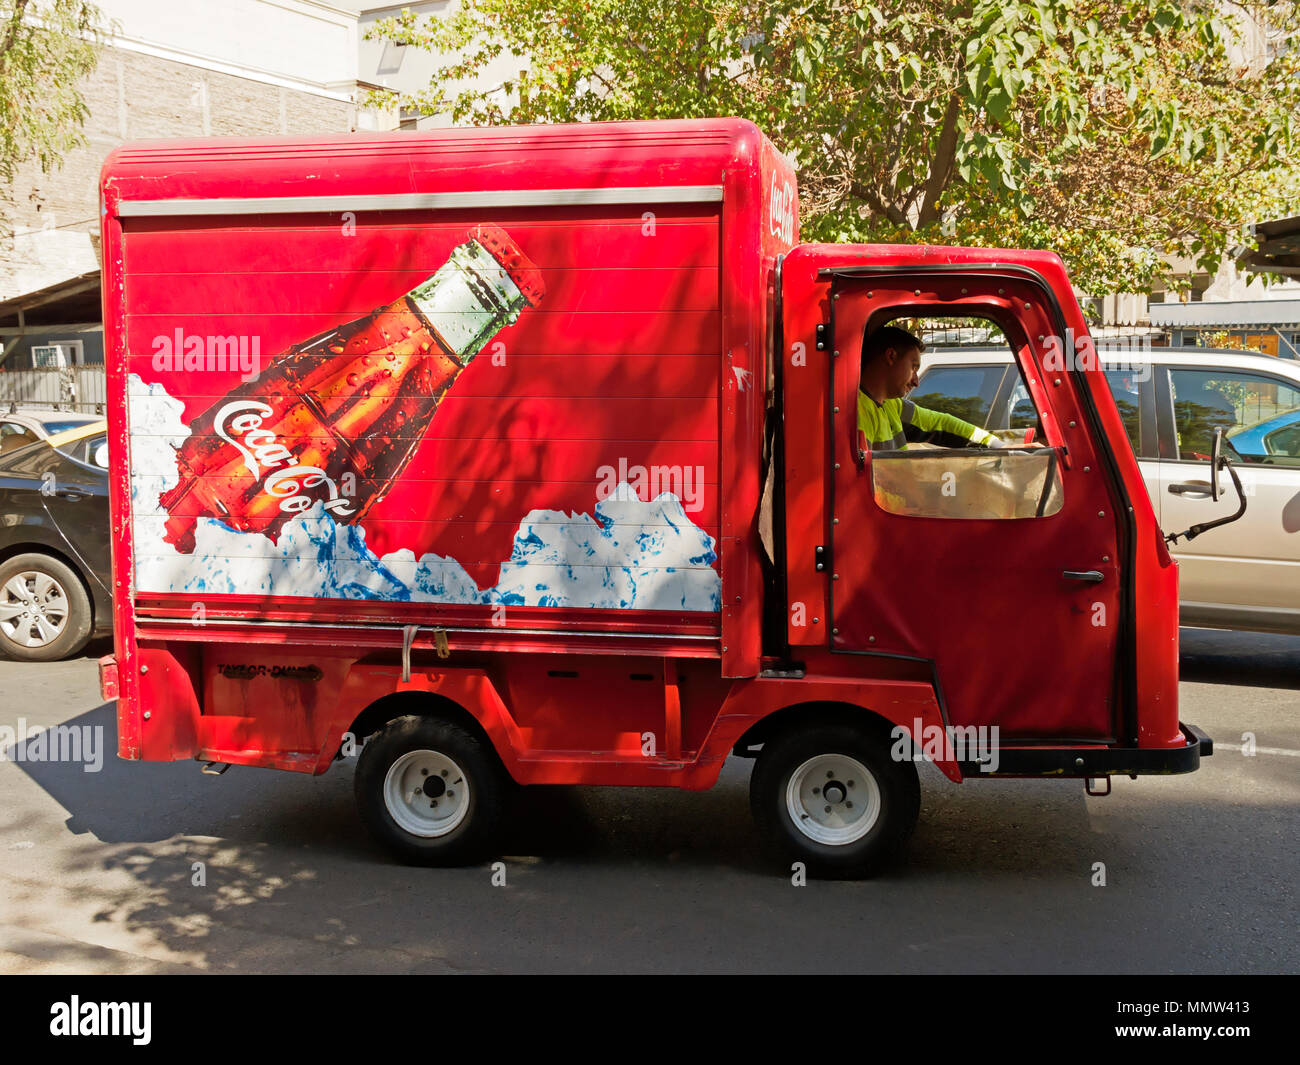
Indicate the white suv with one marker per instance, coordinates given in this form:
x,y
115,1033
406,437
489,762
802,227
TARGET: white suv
x,y
1245,575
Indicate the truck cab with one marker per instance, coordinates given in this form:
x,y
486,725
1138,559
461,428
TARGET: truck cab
x,y
1014,573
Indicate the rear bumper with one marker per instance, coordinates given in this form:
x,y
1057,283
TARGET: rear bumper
x,y
1086,762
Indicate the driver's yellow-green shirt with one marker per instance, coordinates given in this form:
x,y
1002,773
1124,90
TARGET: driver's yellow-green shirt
x,y
895,423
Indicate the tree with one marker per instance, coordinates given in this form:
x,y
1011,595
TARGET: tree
x,y
45,51
1113,131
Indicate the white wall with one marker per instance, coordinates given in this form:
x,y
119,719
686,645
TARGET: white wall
x,y
417,66
306,44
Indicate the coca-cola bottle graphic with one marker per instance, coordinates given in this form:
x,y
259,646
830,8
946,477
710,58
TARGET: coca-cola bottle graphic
x,y
337,417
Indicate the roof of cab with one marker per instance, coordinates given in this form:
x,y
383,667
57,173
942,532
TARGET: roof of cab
x,y
585,155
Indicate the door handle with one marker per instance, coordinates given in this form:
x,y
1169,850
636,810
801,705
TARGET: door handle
x,y
1088,576
1190,488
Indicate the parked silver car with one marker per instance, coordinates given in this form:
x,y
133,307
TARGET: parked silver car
x,y
1245,575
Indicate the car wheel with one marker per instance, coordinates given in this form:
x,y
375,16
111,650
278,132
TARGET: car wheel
x,y
831,796
45,612
431,791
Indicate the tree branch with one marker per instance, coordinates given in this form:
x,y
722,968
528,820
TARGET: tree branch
x,y
11,31
941,163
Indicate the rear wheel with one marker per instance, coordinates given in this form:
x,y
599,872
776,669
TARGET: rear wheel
x,y
831,796
431,791
45,612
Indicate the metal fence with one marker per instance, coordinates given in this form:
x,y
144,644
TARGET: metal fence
x,y
79,388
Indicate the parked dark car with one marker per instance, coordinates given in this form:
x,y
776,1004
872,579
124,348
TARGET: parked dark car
x,y
55,574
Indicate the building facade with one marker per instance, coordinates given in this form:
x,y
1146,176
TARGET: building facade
x,y
168,70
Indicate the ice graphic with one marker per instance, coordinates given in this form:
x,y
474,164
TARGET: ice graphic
x,y
629,555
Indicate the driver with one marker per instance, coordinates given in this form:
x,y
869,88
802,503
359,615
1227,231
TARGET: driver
x,y
891,360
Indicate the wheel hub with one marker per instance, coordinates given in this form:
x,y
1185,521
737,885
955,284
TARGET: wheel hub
x,y
426,793
833,799
33,609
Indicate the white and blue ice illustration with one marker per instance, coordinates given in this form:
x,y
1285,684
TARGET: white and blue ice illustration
x,y
628,554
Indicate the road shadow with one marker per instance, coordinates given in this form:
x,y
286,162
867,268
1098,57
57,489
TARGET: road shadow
x,y
1255,659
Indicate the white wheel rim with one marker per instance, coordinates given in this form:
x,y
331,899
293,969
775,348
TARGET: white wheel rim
x,y
426,793
33,609
833,799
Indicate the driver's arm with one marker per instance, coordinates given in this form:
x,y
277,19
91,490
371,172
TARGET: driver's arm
x,y
922,426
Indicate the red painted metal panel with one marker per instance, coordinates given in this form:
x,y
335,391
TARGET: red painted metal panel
x,y
466,484
416,241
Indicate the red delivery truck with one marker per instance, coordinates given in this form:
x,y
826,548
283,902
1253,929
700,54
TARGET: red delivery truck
x,y
520,456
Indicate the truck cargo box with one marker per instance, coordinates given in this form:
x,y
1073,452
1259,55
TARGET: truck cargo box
x,y
492,379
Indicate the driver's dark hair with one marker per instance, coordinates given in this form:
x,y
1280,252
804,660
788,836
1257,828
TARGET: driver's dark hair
x,y
889,336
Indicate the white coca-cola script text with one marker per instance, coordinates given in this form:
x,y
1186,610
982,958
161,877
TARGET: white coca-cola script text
x,y
240,425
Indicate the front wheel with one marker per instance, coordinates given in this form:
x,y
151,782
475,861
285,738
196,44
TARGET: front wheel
x,y
431,791
831,796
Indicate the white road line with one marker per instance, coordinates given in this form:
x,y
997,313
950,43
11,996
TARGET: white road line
x,y
1258,750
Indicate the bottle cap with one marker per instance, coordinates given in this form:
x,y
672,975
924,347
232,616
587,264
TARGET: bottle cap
x,y
523,272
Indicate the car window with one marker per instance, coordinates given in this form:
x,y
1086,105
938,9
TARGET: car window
x,y
13,436
1022,412
1126,390
91,451
1260,415
964,391
32,461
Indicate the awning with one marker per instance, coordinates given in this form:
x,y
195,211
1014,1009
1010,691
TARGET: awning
x,y
74,300
1279,248
1232,314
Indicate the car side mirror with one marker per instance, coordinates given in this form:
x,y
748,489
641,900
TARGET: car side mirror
x,y
101,456
1216,459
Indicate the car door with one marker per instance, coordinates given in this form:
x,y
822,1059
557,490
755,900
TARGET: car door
x,y
40,486
1246,574
992,565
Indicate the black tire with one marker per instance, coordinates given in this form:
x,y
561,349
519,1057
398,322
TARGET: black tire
x,y
896,800
407,746
65,599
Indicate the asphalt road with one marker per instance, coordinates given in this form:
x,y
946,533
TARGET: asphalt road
x,y
98,870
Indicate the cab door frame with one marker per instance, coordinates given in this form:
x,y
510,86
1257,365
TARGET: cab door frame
x,y
1125,672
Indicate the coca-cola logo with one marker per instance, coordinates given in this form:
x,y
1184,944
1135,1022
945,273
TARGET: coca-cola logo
x,y
273,464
